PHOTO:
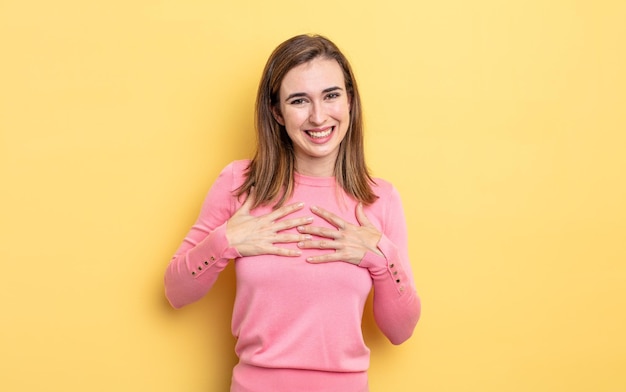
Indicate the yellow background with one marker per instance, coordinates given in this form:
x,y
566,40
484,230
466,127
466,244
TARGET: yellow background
x,y
501,123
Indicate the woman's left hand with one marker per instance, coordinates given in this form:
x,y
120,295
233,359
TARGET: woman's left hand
x,y
349,241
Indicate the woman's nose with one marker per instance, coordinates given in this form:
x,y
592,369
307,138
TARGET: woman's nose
x,y
317,114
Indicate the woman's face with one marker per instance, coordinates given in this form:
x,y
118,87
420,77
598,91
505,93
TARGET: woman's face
x,y
314,107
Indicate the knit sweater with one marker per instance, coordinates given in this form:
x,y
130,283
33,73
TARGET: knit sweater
x,y
298,322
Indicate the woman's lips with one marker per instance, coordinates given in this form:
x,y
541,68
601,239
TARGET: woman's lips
x,y
320,135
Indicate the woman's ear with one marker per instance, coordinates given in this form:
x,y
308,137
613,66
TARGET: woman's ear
x,y
277,116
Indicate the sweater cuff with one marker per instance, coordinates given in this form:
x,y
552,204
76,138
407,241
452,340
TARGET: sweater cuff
x,y
213,251
388,266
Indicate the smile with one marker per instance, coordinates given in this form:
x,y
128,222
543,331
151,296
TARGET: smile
x,y
320,134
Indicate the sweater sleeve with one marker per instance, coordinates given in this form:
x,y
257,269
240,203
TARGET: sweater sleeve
x,y
396,304
205,251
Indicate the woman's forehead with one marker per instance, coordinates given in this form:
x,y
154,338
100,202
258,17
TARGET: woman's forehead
x,y
313,77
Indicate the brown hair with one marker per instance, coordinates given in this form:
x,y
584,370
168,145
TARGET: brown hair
x,y
270,175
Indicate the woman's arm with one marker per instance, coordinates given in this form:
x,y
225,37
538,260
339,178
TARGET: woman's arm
x,y
226,229
397,306
205,251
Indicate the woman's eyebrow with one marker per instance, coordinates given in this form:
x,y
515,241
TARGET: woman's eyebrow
x,y
334,88
300,95
295,95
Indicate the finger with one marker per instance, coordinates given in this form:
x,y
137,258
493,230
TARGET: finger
x,y
278,251
329,217
284,211
361,217
327,258
291,223
321,259
336,256
286,238
320,231
247,204
319,244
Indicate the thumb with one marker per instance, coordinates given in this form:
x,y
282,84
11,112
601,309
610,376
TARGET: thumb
x,y
360,215
247,204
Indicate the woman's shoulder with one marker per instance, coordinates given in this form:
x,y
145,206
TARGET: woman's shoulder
x,y
237,169
382,187
234,174
389,202
237,166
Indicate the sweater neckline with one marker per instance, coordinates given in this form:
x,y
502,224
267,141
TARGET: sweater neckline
x,y
314,181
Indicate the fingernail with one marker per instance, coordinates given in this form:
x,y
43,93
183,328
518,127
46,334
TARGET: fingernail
x,y
307,237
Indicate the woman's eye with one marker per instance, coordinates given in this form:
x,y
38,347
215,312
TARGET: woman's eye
x,y
332,96
298,101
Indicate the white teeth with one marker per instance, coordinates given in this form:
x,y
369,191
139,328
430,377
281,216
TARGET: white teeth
x,y
320,134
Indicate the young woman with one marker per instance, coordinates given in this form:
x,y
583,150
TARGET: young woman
x,y
310,233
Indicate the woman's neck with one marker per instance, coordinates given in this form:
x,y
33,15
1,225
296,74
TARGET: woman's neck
x,y
316,167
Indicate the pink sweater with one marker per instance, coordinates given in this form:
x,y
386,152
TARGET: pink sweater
x,y
298,325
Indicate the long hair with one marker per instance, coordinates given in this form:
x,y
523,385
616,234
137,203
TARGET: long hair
x,y
270,175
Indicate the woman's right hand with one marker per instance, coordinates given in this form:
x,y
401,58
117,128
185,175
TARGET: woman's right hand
x,y
257,235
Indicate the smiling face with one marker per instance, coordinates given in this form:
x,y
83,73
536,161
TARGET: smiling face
x,y
314,108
